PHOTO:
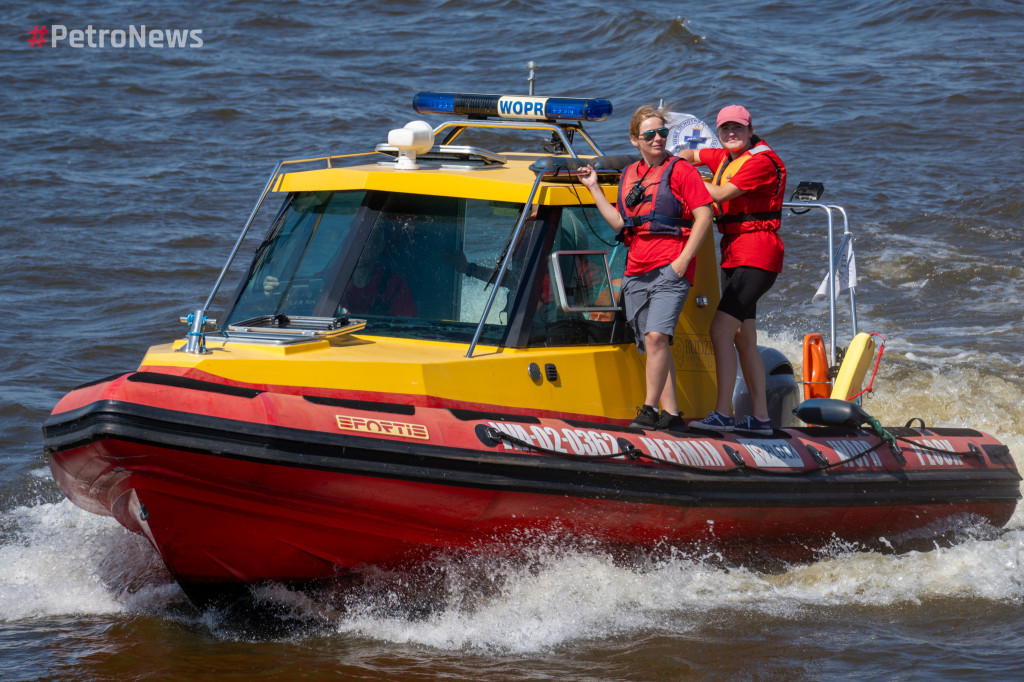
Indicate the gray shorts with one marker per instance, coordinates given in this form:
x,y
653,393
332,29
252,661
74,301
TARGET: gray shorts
x,y
654,301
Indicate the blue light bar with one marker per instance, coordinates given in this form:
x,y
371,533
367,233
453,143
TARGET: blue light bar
x,y
512,106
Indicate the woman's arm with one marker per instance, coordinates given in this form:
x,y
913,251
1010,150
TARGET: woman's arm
x,y
700,229
588,177
724,192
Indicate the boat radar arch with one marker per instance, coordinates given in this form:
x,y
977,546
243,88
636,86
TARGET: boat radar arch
x,y
417,137
520,107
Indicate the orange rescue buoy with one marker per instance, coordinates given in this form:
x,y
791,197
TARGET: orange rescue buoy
x,y
816,383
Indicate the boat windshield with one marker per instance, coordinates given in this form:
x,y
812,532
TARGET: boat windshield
x,y
412,266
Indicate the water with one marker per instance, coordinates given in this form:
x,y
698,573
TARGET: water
x,y
129,171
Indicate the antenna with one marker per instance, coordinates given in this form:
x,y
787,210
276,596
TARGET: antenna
x,y
707,109
533,66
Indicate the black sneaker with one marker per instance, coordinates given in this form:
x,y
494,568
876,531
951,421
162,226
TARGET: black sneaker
x,y
670,422
646,418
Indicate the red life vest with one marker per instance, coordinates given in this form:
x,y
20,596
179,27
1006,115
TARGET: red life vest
x,y
751,212
659,212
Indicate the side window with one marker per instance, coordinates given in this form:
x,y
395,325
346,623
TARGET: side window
x,y
580,229
489,226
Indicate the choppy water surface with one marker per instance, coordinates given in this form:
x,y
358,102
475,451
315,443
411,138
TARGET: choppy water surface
x,y
129,172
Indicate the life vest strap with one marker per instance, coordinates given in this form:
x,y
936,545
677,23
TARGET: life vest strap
x,y
745,217
637,220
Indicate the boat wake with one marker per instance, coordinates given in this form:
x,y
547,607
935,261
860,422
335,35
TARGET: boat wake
x,y
59,560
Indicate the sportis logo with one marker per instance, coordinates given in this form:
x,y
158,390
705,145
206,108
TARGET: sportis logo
x,y
381,427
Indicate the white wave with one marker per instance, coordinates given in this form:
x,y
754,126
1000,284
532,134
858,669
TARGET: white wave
x,y
65,561
538,606
581,596
61,560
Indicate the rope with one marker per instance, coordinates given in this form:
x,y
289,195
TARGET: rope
x,y
219,329
634,454
973,452
583,212
878,360
876,427
929,448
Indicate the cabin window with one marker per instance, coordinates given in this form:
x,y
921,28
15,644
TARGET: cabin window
x,y
428,266
291,268
425,267
413,266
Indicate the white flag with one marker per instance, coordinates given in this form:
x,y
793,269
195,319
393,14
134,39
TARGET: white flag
x,y
846,274
686,131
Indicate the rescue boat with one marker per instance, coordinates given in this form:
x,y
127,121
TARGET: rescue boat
x,y
426,353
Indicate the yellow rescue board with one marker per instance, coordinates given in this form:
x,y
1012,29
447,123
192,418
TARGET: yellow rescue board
x,y
854,368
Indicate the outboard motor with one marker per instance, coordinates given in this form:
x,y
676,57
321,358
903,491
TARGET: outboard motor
x,y
781,385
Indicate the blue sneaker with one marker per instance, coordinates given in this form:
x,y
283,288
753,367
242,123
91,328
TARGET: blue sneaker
x,y
752,424
716,421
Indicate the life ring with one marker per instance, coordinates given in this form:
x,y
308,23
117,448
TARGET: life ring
x,y
855,366
816,384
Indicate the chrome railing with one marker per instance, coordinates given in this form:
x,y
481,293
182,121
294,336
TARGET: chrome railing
x,y
834,255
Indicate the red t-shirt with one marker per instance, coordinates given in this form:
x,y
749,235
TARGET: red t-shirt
x,y
650,251
379,297
758,178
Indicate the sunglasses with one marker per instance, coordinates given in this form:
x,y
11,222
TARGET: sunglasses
x,y
648,135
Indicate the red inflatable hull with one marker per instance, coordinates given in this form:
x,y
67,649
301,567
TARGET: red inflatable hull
x,y
238,484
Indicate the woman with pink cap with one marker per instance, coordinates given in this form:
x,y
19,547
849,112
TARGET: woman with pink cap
x,y
748,188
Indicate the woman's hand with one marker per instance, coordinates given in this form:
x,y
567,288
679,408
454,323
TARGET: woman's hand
x,y
270,285
588,176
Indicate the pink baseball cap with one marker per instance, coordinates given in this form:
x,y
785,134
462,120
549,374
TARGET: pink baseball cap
x,y
733,112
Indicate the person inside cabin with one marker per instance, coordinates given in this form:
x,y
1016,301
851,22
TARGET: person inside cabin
x,y
373,290
748,187
663,214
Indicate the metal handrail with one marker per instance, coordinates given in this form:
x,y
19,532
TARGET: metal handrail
x,y
833,256
847,237
505,263
459,127
197,318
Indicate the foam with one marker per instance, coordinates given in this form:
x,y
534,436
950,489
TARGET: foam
x,y
64,561
576,596
60,560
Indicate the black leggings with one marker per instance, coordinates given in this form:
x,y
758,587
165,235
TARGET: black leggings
x,y
744,285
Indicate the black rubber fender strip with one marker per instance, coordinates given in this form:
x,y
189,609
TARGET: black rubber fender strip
x,y
477,415
194,384
367,405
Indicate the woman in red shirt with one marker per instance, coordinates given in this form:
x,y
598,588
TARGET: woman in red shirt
x,y
665,212
748,188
